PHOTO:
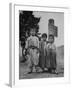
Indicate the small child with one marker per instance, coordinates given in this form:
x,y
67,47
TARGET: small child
x,y
51,55
32,46
42,47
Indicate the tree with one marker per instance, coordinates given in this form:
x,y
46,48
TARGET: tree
x,y
26,21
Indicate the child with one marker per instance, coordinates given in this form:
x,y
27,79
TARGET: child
x,y
42,51
32,46
51,55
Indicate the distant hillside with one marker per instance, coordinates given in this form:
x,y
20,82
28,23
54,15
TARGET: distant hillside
x,y
60,56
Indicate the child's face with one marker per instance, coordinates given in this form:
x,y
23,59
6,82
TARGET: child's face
x,y
32,32
44,38
51,39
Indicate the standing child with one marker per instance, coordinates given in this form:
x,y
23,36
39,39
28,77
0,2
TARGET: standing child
x,y
42,56
51,55
32,46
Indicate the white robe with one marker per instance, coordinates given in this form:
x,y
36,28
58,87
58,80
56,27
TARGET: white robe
x,y
33,53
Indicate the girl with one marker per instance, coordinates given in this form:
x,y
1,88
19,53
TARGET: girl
x,y
51,55
42,58
32,46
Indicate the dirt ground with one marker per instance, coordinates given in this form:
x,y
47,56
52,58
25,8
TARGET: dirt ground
x,y
24,75
60,68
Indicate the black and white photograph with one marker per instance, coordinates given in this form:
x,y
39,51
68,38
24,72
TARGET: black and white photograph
x,y
41,44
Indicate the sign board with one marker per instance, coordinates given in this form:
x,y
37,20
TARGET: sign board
x,y
52,30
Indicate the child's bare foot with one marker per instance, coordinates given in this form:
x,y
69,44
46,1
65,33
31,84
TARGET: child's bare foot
x,y
54,72
49,70
34,69
45,69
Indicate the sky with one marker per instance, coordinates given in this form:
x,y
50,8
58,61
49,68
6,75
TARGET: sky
x,y
58,21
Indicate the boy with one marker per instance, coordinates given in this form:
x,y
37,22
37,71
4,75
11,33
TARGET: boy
x,y
42,47
32,46
51,55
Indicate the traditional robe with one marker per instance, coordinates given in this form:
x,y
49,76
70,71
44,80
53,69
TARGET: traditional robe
x,y
42,56
51,56
32,45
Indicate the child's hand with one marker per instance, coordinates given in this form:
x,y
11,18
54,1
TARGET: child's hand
x,y
50,47
24,51
25,57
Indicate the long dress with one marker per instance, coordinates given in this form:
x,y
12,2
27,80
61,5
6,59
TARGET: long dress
x,y
51,56
32,45
42,56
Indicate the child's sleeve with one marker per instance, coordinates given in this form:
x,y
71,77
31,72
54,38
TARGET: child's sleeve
x,y
26,46
38,43
48,46
54,47
46,50
40,46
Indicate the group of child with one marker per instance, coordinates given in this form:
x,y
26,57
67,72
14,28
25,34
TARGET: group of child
x,y
41,53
